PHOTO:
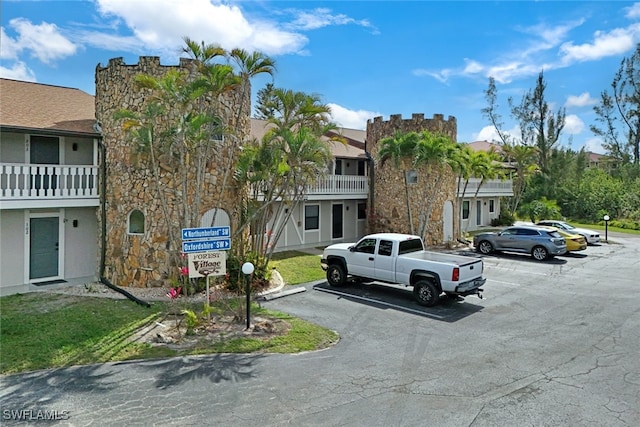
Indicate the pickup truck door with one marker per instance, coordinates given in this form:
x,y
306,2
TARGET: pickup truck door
x,y
385,265
362,258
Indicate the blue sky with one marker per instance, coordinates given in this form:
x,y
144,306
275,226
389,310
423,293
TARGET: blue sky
x,y
364,58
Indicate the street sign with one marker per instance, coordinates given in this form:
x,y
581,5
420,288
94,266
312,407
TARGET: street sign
x,y
203,264
205,233
206,245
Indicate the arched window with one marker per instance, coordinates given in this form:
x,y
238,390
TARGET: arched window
x,y
221,218
136,222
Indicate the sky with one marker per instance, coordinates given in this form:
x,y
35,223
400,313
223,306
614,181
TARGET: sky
x,y
363,58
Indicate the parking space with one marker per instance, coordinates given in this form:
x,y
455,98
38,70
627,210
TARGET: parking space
x,y
385,297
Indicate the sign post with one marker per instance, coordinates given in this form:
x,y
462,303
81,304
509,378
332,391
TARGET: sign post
x,y
205,248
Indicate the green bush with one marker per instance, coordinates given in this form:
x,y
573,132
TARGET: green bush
x,y
540,209
626,224
505,218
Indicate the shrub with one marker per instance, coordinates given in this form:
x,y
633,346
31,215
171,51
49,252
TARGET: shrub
x,y
505,218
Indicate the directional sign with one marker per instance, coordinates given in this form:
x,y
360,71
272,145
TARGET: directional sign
x,y
205,233
206,245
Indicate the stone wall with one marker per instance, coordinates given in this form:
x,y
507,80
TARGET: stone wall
x,y
388,210
146,259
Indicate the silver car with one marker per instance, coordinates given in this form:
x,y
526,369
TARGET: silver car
x,y
541,242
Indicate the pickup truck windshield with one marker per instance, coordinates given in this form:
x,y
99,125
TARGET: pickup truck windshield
x,y
408,246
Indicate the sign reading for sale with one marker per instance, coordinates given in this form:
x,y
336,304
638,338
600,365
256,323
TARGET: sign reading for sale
x,y
203,264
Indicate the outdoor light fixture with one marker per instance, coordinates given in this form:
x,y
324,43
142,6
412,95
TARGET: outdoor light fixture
x,y
606,228
247,270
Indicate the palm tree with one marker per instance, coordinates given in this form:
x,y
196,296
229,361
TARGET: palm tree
x,y
459,162
433,151
484,165
219,78
400,149
279,168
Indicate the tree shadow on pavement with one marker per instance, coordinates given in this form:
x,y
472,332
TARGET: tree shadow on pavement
x,y
38,389
216,368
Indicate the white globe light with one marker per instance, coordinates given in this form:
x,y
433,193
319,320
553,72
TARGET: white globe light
x,y
247,268
606,218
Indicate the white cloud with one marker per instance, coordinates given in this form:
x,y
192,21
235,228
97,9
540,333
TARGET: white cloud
x,y
19,71
604,44
573,125
162,24
582,100
489,133
9,49
43,41
633,11
322,17
594,145
351,119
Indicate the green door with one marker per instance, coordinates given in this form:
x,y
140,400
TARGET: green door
x,y
43,238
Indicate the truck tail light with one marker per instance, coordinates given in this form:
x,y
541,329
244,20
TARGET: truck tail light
x,y
455,276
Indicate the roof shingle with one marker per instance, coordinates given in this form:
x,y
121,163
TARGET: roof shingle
x,y
36,106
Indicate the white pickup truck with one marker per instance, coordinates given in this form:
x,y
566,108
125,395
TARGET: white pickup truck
x,y
401,259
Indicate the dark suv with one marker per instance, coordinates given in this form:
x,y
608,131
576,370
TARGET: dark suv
x,y
541,242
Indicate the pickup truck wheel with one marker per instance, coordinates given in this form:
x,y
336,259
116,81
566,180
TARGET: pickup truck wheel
x,y
485,247
426,293
336,275
539,253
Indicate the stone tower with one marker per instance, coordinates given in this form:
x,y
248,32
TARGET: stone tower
x,y
389,210
141,256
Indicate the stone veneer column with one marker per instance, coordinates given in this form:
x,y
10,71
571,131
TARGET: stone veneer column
x,y
143,260
389,212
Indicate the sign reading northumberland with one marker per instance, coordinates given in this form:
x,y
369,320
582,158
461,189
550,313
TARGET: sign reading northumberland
x,y
205,233
206,245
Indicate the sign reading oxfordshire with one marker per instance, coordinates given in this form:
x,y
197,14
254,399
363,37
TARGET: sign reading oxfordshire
x,y
206,245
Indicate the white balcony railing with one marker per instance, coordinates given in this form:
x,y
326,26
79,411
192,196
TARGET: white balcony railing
x,y
19,181
337,186
341,185
493,187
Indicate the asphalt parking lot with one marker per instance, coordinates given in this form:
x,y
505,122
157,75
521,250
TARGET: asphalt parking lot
x,y
553,344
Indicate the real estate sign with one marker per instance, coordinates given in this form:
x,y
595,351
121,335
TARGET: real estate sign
x,y
203,264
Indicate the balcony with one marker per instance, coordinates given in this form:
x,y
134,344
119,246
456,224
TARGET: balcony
x,y
489,188
24,186
338,187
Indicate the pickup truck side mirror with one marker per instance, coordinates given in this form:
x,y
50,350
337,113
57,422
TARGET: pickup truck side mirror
x,y
352,248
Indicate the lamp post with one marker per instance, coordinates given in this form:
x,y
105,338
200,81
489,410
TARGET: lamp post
x,y
606,228
247,270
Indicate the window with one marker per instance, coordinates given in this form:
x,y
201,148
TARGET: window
x,y
136,222
361,167
362,210
338,169
412,177
408,246
312,217
465,209
385,247
217,131
367,246
492,208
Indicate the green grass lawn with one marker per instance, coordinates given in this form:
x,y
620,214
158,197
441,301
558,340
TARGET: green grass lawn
x,y
42,330
297,267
